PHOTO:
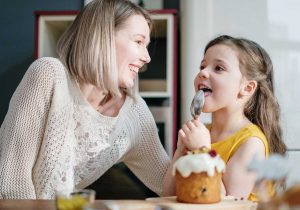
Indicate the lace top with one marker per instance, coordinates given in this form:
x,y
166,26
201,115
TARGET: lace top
x,y
52,139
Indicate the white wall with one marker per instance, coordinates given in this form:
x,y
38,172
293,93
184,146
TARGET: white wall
x,y
274,24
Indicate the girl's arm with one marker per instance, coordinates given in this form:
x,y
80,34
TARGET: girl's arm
x,y
169,179
193,135
238,181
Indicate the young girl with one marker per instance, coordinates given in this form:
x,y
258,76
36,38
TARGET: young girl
x,y
236,76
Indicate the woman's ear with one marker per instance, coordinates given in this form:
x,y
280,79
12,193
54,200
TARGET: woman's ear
x,y
248,88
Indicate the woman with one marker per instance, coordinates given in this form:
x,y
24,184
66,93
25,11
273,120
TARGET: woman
x,y
73,118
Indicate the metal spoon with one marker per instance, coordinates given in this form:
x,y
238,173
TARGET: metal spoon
x,y
197,104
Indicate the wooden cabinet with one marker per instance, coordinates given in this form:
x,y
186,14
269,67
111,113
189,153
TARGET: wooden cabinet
x,y
157,81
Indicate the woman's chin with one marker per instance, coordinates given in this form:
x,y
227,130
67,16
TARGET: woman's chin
x,y
128,85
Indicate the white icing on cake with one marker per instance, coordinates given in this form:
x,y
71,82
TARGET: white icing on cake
x,y
198,163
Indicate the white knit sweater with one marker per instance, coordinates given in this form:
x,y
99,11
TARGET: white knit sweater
x,y
52,139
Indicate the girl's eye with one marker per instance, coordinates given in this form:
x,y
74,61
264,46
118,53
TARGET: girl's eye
x,y
219,68
202,67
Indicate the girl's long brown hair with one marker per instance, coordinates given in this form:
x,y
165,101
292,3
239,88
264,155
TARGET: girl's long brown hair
x,y
263,108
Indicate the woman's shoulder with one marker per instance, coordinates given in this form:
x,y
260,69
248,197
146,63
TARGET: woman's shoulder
x,y
48,61
47,71
135,101
138,106
140,103
47,66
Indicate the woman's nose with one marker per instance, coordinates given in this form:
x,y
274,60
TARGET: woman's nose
x,y
146,57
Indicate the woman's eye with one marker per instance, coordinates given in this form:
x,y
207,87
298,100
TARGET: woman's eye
x,y
139,42
202,67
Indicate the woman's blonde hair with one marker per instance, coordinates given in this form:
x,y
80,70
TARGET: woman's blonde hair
x,y
263,108
87,47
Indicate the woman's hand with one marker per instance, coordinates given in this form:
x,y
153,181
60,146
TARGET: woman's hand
x,y
193,135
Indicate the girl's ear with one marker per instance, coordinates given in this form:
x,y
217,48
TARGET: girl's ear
x,y
248,88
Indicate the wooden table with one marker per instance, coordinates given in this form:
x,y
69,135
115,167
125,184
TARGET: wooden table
x,y
50,204
150,204
27,204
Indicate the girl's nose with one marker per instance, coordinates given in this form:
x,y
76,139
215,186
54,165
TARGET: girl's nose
x,y
203,73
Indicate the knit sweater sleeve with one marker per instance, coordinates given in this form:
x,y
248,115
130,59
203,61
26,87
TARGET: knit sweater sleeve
x,y
22,131
148,159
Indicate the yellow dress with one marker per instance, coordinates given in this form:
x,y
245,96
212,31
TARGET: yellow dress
x,y
227,147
